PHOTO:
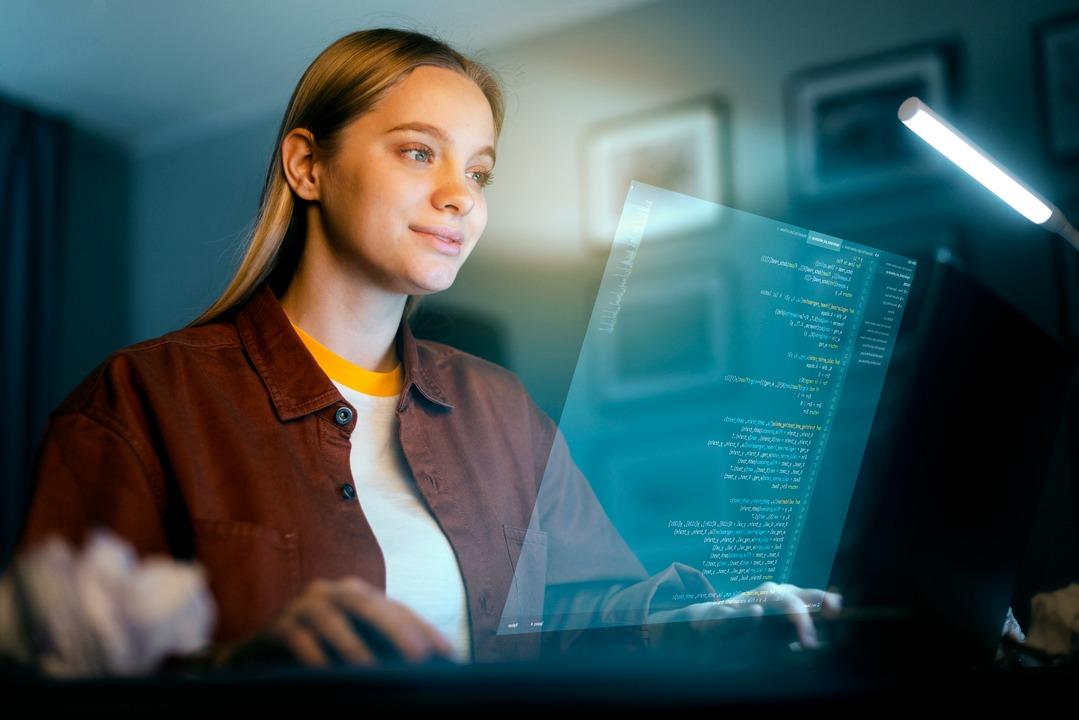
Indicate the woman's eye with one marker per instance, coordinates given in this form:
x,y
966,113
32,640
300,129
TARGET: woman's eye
x,y
481,177
418,154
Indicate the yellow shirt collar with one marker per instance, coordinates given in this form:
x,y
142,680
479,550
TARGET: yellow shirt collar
x,y
349,374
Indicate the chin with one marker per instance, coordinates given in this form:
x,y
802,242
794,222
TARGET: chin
x,y
433,281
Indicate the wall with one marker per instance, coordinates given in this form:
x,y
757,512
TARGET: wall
x,y
96,305
192,205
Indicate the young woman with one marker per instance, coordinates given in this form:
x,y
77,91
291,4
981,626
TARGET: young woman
x,y
353,492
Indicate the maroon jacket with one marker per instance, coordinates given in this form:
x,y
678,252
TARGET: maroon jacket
x,y
228,444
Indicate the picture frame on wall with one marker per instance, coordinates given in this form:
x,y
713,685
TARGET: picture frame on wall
x,y
683,148
1056,48
701,305
844,134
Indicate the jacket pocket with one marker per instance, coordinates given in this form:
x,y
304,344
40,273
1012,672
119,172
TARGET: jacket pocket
x,y
253,571
527,551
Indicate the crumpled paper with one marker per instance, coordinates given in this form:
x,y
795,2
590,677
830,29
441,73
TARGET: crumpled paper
x,y
1054,627
101,611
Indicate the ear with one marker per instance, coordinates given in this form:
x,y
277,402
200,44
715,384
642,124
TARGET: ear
x,y
298,159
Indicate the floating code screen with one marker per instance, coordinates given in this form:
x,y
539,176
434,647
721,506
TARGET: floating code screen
x,y
724,395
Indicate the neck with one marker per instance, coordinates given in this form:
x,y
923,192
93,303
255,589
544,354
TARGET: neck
x,y
347,313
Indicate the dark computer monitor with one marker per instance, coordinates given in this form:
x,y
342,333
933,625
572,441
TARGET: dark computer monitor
x,y
953,471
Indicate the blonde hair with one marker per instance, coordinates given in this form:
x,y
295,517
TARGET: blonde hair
x,y
344,82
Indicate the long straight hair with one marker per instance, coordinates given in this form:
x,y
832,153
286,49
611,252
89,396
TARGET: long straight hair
x,y
344,82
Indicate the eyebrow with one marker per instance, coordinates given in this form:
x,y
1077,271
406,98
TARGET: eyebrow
x,y
440,134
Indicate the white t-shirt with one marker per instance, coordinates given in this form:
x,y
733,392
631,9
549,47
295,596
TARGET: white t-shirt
x,y
421,567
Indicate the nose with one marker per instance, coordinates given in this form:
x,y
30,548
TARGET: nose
x,y
452,193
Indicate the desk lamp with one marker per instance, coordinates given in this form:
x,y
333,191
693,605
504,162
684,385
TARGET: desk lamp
x,y
951,143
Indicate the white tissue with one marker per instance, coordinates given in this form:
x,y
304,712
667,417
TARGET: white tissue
x,y
101,611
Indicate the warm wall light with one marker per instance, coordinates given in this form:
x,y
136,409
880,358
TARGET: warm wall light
x,y
951,143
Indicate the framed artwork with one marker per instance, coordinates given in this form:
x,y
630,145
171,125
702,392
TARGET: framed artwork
x,y
683,148
843,131
1056,47
691,320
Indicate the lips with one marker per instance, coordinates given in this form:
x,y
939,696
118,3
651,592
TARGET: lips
x,y
445,240
443,232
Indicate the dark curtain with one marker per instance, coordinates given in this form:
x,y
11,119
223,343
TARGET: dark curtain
x,y
32,158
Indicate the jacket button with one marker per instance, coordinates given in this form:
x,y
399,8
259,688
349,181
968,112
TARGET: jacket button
x,y
343,415
348,492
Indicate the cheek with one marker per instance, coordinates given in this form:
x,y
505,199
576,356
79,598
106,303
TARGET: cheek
x,y
351,204
478,217
375,188
379,209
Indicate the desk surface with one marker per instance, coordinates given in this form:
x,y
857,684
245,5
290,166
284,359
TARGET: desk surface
x,y
628,686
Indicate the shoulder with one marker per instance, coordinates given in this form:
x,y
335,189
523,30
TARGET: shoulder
x,y
156,362
489,397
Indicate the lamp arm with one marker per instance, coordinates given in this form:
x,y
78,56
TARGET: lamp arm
x,y
1060,225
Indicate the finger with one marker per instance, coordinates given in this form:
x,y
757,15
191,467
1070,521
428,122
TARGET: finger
x,y
798,614
392,621
709,617
743,608
725,620
759,594
438,640
833,603
305,646
333,627
752,603
812,597
829,602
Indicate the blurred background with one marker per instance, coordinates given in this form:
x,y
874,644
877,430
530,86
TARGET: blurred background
x,y
135,137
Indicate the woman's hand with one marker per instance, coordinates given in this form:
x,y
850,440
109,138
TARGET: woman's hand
x,y
769,598
353,620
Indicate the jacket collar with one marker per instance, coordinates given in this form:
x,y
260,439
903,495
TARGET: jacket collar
x,y
296,383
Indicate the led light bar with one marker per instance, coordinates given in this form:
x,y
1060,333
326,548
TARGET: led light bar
x,y
951,143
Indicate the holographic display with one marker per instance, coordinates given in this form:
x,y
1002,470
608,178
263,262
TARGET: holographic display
x,y
718,415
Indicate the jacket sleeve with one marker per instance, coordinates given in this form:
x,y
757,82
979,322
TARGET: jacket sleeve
x,y
92,469
596,587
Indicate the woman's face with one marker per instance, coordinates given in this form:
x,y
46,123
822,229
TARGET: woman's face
x,y
402,197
